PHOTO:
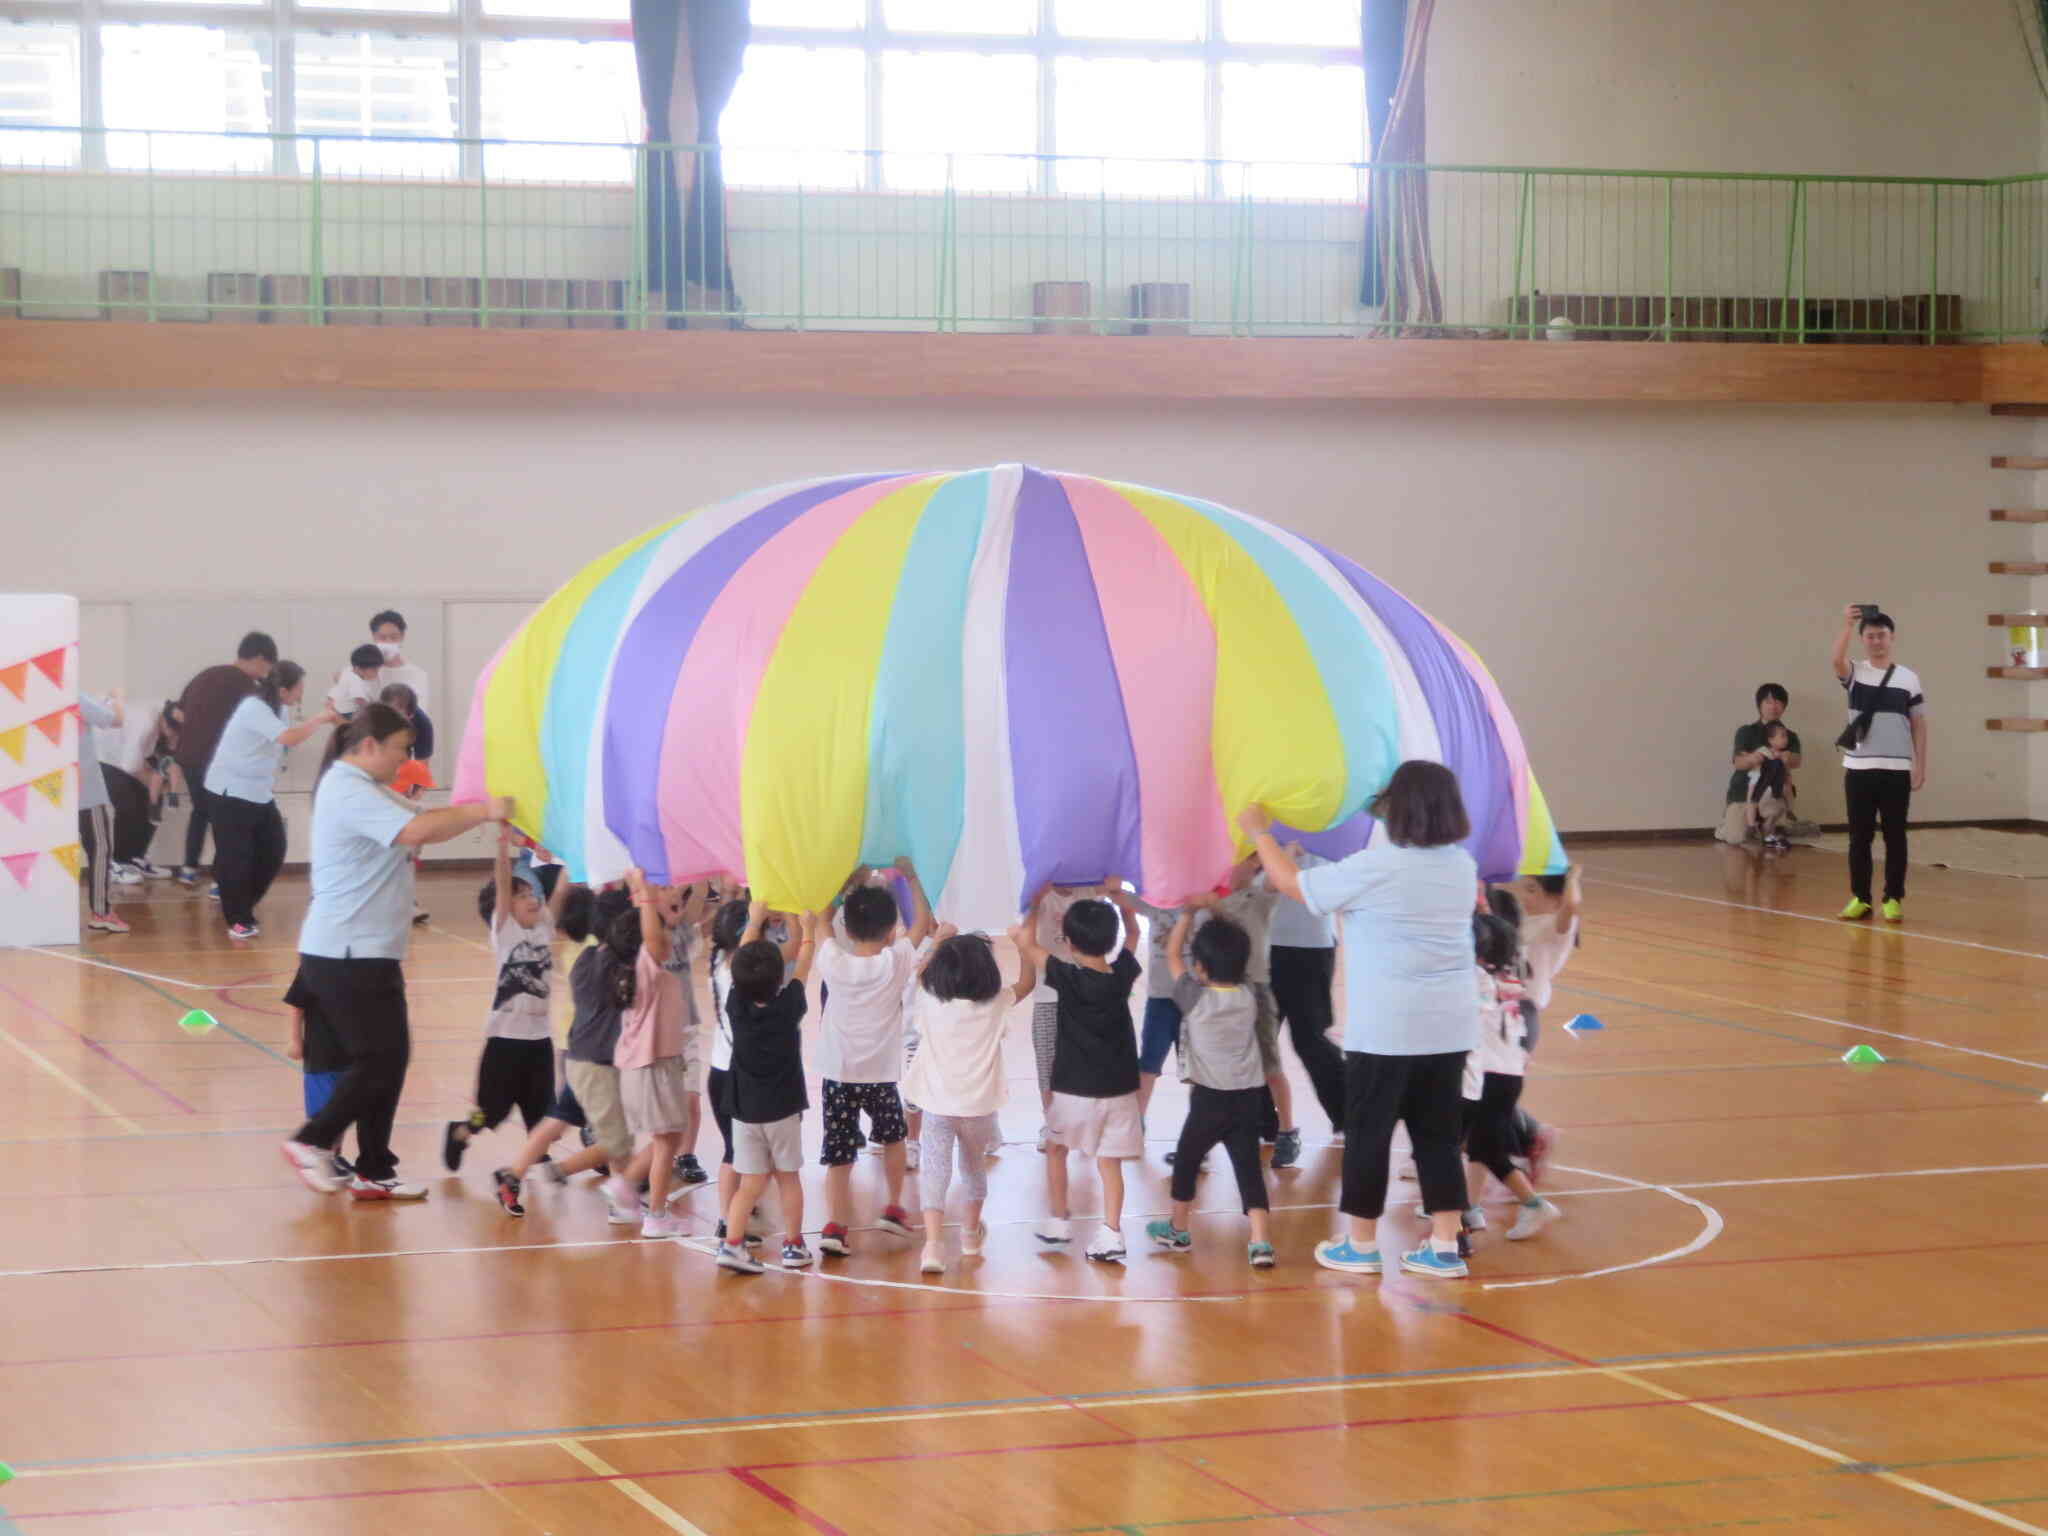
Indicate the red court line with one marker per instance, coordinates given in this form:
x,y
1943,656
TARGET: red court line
x,y
504,1334
94,1045
745,1472
776,1496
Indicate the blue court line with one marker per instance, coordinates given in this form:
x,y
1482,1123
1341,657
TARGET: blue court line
x,y
1449,1377
1777,1034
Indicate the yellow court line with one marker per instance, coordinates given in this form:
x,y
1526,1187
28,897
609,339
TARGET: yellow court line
x,y
631,1489
1081,1405
40,1060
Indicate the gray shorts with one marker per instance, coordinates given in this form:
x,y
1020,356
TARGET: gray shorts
x,y
776,1147
1266,1027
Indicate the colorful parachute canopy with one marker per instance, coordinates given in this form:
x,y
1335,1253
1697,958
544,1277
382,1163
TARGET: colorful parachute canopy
x,y
1011,675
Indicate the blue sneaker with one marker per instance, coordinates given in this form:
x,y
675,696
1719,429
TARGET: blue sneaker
x,y
1260,1254
1337,1253
1438,1266
1169,1237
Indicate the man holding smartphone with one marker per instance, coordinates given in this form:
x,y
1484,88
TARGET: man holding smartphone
x,y
1884,754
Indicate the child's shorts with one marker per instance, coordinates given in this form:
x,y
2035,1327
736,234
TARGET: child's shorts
x,y
845,1103
319,1089
597,1093
656,1097
1096,1127
776,1147
566,1109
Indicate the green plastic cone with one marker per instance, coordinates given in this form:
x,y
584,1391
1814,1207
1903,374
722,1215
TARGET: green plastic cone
x,y
1861,1056
6,1473
198,1022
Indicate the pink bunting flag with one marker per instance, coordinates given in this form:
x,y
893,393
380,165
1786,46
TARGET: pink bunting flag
x,y
15,802
18,865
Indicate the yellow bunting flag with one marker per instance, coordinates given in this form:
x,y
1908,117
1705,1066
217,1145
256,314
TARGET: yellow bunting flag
x,y
51,786
70,855
15,742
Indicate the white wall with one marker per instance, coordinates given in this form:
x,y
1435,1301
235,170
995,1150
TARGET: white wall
x,y
1844,87
1630,573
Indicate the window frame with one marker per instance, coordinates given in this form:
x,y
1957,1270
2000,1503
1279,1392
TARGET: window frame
x,y
469,26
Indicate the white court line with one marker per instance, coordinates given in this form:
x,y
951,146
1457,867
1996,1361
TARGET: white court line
x,y
102,965
1710,1228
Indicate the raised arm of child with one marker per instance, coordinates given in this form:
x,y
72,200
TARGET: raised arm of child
x,y
561,897
757,920
652,937
807,946
501,879
920,904
1176,942
1574,899
939,935
1127,904
1026,934
1027,967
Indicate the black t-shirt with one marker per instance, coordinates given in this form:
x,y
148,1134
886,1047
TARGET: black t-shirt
x,y
594,1032
765,1082
323,1046
1747,739
1096,1052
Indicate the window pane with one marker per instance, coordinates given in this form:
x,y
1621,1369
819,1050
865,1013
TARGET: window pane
x,y
1130,110
39,87
551,90
204,80
574,10
1005,16
360,86
798,115
809,13
425,7
979,107
1324,23
1174,20
1292,113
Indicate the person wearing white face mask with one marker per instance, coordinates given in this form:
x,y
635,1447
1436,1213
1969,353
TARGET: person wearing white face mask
x,y
388,630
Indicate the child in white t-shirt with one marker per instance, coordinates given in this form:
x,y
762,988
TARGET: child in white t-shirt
x,y
1493,1080
1549,923
860,1050
518,1062
361,684
956,1077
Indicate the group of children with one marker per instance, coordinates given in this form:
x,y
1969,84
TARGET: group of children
x,y
909,1050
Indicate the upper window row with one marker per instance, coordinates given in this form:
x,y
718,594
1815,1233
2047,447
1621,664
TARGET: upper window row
x,y
1306,23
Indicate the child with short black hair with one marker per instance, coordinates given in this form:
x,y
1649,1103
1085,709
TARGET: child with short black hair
x,y
764,1086
860,1049
359,685
1220,1062
1493,1080
957,1076
1094,1107
1051,906
518,1062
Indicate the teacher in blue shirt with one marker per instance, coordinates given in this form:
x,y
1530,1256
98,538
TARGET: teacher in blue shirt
x,y
248,829
1411,1004
354,939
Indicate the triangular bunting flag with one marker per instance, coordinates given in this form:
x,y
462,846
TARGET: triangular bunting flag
x,y
51,786
52,726
70,856
18,865
15,742
15,679
51,665
15,802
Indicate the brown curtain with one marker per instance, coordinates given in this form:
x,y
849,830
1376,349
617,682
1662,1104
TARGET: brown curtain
x,y
689,54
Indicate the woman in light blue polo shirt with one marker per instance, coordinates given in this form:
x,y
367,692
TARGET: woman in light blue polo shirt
x,y
1411,1004
248,830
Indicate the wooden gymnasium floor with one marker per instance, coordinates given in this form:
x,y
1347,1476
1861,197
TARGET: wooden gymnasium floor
x,y
1789,1293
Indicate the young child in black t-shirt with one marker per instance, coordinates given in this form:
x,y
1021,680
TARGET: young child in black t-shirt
x,y
764,1086
1094,1108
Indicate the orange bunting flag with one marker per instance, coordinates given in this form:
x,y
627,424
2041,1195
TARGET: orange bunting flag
x,y
70,856
15,679
51,665
51,786
15,742
52,726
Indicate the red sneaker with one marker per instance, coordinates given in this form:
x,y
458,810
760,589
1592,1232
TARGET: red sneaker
x,y
833,1240
894,1219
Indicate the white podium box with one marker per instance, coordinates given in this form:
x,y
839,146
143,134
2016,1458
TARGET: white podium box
x,y
40,855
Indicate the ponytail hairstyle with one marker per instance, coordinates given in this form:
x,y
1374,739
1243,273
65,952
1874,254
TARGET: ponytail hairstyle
x,y
622,945
728,928
284,677
372,722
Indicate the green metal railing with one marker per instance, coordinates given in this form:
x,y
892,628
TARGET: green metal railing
x,y
302,229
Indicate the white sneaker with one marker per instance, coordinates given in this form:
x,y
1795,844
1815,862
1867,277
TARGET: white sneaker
x,y
972,1239
1107,1245
664,1226
1055,1229
911,1156
150,871
934,1262
127,874
622,1203
385,1189
1043,1136
1531,1219
312,1165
